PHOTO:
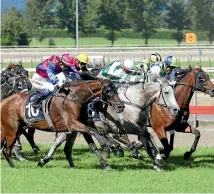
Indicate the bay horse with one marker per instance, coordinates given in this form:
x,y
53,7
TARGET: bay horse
x,y
193,79
131,121
15,79
65,111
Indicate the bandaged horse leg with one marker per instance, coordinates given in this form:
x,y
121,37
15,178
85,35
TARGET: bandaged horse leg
x,y
57,142
94,149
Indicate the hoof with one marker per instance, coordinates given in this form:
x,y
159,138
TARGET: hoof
x,y
187,155
121,153
114,151
106,153
18,155
157,168
41,163
108,168
36,149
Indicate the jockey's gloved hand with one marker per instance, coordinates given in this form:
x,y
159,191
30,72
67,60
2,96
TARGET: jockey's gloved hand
x,y
172,83
60,83
53,79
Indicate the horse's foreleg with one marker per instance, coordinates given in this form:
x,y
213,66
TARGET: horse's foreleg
x,y
144,137
197,133
94,149
131,145
57,142
171,142
116,144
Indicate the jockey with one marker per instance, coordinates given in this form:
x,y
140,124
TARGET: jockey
x,y
45,76
122,71
155,65
172,67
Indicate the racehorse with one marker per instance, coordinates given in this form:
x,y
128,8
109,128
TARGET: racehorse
x,y
14,79
193,79
65,111
132,121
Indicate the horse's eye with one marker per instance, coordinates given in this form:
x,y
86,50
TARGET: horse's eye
x,y
166,92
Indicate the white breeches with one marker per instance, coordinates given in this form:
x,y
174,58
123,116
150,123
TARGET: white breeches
x,y
41,83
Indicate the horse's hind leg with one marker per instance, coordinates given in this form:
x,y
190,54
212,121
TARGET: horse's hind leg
x,y
30,137
10,140
94,148
57,142
70,138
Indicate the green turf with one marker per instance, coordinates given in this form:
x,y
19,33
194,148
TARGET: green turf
x,y
129,175
99,41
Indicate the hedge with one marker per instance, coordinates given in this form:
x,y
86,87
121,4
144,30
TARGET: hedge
x,y
126,33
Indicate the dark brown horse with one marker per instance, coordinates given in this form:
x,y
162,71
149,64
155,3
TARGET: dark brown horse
x,y
162,121
65,110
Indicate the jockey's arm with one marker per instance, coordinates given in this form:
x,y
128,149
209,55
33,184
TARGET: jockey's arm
x,y
133,78
51,73
73,73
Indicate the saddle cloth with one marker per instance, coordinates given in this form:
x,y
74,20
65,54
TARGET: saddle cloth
x,y
35,114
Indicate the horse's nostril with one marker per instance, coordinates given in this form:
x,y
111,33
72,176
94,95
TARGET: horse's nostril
x,y
176,111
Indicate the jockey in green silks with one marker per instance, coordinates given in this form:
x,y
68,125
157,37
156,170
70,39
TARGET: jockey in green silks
x,y
122,71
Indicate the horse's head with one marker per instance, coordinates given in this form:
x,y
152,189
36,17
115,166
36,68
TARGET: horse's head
x,y
166,98
19,70
110,95
197,79
203,82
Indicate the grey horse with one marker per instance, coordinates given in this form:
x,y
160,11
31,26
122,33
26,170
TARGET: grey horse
x,y
133,120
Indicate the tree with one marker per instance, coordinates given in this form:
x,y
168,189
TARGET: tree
x,y
13,28
111,17
66,12
144,16
177,18
39,14
202,15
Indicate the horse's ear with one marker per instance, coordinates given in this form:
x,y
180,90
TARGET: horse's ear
x,y
20,63
11,65
198,66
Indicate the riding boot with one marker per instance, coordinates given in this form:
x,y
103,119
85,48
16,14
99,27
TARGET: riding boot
x,y
37,98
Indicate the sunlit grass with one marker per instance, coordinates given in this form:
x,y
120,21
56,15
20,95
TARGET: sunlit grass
x,y
129,175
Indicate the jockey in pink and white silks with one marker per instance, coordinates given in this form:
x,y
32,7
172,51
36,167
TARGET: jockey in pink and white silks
x,y
45,78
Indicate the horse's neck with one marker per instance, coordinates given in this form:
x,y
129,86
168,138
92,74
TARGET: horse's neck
x,y
140,95
184,93
88,90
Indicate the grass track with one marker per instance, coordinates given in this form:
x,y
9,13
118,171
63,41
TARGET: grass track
x,y
130,175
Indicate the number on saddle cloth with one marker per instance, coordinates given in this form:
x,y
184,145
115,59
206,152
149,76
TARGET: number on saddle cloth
x,y
33,114
92,113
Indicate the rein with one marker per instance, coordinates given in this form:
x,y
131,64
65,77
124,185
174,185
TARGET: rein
x,y
144,107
